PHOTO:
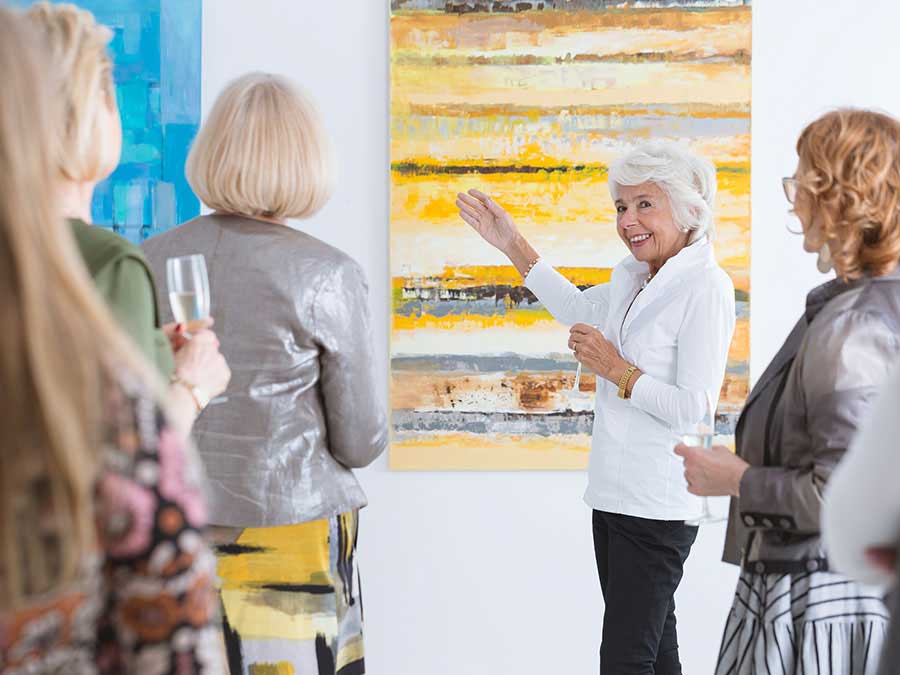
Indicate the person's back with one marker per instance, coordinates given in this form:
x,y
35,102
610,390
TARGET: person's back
x,y
303,407
291,316
149,575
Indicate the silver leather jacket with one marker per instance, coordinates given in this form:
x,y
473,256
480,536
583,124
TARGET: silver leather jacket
x,y
800,417
302,407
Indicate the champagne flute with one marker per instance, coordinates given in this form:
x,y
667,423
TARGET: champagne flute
x,y
576,388
702,437
188,285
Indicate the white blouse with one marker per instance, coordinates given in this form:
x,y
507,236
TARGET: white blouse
x,y
862,499
677,332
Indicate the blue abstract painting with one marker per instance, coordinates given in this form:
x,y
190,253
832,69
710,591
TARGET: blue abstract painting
x,y
156,51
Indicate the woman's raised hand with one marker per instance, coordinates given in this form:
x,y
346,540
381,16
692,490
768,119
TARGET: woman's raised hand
x,y
488,219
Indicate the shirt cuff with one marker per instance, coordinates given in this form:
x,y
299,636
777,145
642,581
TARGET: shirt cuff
x,y
643,393
540,275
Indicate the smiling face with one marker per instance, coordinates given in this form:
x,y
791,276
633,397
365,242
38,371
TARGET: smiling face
x,y
644,222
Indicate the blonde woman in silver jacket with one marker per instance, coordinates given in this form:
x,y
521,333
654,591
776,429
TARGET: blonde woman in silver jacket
x,y
302,408
792,612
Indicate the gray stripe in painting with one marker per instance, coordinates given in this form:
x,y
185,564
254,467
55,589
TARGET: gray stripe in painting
x,y
565,422
502,363
460,364
547,424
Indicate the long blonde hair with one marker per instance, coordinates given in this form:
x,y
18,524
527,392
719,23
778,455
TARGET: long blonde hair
x,y
59,346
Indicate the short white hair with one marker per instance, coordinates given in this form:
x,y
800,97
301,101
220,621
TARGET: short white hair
x,y
688,180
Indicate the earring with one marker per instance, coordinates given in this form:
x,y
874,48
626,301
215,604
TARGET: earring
x,y
824,262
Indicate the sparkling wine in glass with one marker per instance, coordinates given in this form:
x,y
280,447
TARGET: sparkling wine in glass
x,y
188,285
701,436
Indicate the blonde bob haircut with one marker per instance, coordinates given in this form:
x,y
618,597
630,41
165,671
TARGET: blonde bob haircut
x,y
76,44
262,152
850,163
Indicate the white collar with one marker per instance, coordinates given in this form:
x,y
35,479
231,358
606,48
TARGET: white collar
x,y
699,253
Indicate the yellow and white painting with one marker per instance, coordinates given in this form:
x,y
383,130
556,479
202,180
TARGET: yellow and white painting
x,y
531,101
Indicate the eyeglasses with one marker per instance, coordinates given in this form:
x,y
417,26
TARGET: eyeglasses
x,y
790,186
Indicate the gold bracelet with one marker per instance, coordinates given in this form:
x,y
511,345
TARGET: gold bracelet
x,y
197,396
625,379
531,267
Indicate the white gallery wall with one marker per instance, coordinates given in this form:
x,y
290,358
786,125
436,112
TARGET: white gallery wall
x,y
490,573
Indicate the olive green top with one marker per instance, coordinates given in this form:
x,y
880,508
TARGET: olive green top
x,y
123,278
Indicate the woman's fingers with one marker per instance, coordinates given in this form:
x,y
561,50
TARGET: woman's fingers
x,y
471,220
471,201
584,339
487,202
580,329
465,208
480,196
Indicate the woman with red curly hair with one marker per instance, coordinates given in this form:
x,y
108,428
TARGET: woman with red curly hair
x,y
791,612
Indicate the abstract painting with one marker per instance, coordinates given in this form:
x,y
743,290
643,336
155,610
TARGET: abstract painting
x,y
531,101
156,54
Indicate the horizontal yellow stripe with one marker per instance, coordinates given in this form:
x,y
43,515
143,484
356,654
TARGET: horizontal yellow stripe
x,y
451,452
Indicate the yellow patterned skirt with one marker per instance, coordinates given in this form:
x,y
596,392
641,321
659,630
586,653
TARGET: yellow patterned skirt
x,y
290,597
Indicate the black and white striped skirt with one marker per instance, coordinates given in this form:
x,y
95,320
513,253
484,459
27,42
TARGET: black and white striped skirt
x,y
818,623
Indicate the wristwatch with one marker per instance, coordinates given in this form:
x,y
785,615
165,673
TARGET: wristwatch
x,y
201,400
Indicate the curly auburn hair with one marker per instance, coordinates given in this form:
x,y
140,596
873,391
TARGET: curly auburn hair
x,y
851,166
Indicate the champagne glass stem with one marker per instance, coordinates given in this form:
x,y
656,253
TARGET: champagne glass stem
x,y
577,386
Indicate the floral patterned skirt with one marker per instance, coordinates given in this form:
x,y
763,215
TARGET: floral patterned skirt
x,y
290,598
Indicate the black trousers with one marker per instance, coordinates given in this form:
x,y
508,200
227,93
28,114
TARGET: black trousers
x,y
640,563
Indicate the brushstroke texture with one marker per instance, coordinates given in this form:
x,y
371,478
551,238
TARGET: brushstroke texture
x,y
531,102
156,51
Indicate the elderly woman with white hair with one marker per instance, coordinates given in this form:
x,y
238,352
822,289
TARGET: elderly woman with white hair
x,y
657,336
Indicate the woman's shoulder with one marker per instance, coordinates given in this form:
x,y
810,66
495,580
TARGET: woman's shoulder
x,y
707,282
310,248
101,248
269,239
866,307
718,279
849,343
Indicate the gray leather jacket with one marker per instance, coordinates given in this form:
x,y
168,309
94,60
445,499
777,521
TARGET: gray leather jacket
x,y
302,408
800,417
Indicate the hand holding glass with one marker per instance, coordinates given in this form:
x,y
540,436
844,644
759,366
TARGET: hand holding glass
x,y
188,286
702,436
577,386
